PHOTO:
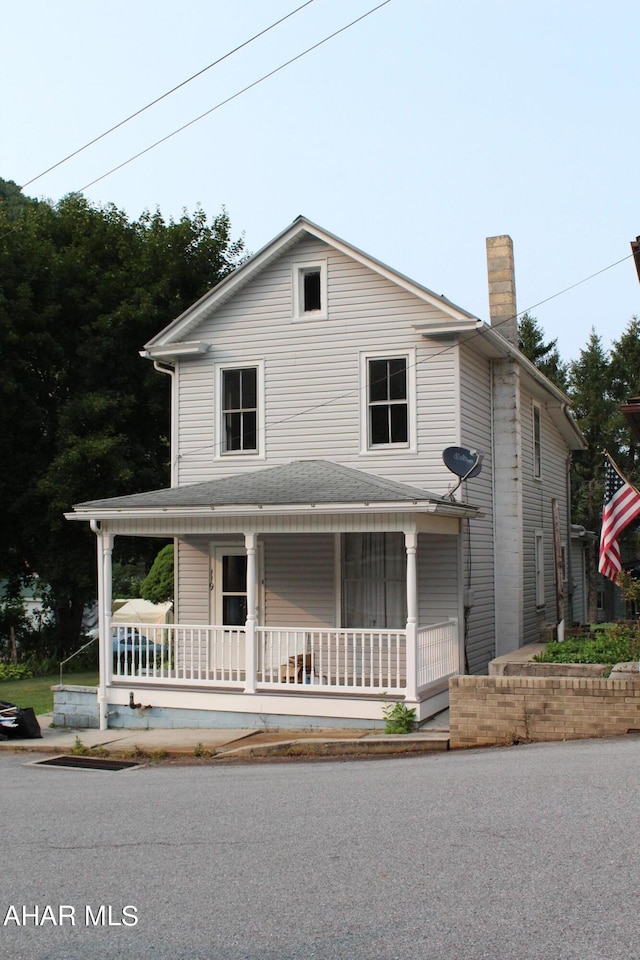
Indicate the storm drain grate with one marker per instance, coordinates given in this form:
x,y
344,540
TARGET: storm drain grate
x,y
88,763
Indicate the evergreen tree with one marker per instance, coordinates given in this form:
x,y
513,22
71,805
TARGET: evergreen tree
x,y
625,383
543,355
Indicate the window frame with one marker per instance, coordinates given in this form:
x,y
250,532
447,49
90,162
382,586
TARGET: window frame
x,y
299,270
538,548
536,439
219,409
394,587
409,445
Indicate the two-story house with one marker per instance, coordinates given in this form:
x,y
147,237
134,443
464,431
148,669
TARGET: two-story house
x,y
321,561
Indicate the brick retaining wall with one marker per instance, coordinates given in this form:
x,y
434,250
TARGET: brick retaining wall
x,y
486,711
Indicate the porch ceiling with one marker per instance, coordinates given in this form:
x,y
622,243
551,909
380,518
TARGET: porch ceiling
x,y
304,488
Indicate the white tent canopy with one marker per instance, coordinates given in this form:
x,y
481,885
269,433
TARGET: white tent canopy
x,y
141,611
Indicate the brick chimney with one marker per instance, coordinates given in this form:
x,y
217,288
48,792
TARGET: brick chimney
x,y
502,287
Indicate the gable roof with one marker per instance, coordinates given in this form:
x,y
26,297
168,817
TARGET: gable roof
x,y
302,483
174,337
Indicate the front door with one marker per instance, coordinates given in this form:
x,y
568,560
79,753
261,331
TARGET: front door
x,y
228,607
229,600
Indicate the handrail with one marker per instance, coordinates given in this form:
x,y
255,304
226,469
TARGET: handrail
x,y
84,647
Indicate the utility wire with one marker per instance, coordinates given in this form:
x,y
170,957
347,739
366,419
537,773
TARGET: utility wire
x,y
432,356
235,95
165,95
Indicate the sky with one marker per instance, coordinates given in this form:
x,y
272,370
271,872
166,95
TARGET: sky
x,y
413,135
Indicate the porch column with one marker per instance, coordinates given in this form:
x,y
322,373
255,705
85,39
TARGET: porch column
x,y
411,547
250,626
104,550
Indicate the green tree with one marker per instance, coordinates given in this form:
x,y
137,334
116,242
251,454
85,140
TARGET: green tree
x,y
158,584
82,289
624,372
12,199
596,414
545,356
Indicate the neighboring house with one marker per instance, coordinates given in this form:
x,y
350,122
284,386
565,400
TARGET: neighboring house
x,y
33,601
320,562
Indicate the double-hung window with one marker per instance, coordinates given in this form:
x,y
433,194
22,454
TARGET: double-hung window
x,y
387,401
537,443
374,581
239,404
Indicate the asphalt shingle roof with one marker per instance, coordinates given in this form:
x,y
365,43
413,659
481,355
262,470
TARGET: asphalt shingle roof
x,y
300,482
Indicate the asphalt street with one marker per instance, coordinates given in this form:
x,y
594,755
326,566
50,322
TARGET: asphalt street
x,y
514,853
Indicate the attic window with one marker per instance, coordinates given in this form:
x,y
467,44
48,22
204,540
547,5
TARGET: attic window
x,y
309,283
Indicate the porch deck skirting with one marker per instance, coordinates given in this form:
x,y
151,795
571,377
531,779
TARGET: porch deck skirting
x,y
284,660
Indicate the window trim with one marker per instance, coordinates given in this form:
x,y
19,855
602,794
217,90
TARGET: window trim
x,y
538,547
299,268
342,580
381,448
536,439
219,432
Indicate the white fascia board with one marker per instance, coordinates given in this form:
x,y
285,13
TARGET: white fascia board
x,y
223,290
445,328
459,313
151,513
242,274
556,401
186,348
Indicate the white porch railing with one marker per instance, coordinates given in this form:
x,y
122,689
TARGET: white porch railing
x,y
358,661
179,653
287,659
438,652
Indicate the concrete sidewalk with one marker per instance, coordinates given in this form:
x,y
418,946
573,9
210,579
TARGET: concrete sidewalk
x,y
238,744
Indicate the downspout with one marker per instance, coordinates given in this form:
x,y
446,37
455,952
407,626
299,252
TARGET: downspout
x,y
569,562
171,372
102,640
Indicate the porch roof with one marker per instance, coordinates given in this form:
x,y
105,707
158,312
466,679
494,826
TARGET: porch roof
x,y
315,485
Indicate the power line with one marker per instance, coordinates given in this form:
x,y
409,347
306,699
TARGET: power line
x,y
235,95
572,287
165,95
428,359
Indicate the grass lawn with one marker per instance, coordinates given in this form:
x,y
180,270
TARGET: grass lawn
x,y
36,692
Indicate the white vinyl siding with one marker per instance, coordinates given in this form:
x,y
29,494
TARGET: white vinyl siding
x,y
299,580
477,535
192,587
437,578
537,514
311,370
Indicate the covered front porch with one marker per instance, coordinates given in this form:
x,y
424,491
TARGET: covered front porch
x,y
299,607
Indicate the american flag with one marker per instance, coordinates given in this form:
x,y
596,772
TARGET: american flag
x,y
621,506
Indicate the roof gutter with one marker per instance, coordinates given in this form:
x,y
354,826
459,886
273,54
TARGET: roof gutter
x,y
232,510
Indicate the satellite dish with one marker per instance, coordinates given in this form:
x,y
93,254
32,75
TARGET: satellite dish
x,y
464,463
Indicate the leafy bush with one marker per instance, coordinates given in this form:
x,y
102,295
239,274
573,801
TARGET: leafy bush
x,y
157,586
613,644
15,671
399,718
